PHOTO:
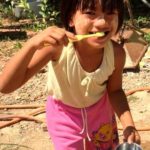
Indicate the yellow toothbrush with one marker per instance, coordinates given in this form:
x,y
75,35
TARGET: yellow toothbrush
x,y
81,37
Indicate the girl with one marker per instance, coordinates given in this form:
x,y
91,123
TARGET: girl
x,y
84,77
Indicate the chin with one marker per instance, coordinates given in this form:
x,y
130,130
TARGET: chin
x,y
98,44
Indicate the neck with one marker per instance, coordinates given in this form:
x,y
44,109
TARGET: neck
x,y
90,59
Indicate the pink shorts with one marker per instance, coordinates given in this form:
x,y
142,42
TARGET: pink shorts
x,y
69,126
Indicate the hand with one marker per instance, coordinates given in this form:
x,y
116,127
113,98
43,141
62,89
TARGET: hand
x,y
131,135
53,36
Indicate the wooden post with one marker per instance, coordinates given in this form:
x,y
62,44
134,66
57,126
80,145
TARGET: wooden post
x,y
127,2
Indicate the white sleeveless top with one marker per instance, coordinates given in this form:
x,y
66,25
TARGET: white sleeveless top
x,y
70,83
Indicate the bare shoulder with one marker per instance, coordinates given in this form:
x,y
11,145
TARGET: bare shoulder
x,y
118,50
119,54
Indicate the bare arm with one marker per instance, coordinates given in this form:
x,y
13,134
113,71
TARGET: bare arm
x,y
117,96
32,57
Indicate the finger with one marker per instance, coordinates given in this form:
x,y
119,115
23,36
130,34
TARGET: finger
x,y
124,140
50,41
138,141
71,35
60,36
137,138
131,138
65,41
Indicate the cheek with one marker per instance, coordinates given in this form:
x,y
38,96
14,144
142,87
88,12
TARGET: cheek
x,y
82,25
114,24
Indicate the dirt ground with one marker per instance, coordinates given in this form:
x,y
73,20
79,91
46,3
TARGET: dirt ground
x,y
26,135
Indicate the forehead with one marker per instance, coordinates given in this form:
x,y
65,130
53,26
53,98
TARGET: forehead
x,y
106,5
87,4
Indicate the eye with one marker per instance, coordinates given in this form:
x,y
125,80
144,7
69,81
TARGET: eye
x,y
110,15
111,12
89,12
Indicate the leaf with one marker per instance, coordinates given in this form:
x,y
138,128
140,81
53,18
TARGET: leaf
x,y
20,5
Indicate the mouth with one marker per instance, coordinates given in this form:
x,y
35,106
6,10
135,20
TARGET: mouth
x,y
105,33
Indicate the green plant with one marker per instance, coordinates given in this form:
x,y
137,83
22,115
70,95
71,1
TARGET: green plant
x,y
24,4
26,9
1,21
38,26
48,12
142,19
44,10
147,37
5,11
17,45
54,15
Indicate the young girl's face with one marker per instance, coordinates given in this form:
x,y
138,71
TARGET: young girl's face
x,y
91,21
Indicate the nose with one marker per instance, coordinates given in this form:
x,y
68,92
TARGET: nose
x,y
100,21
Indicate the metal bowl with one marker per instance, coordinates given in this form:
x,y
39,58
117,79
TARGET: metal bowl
x,y
127,146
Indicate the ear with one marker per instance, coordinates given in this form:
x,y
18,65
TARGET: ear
x,y
71,23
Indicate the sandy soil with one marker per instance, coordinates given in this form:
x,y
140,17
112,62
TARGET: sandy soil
x,y
26,135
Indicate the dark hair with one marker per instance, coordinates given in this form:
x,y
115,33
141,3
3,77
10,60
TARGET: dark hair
x,y
69,7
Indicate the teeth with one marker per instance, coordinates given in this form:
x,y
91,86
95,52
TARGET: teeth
x,y
95,32
106,32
